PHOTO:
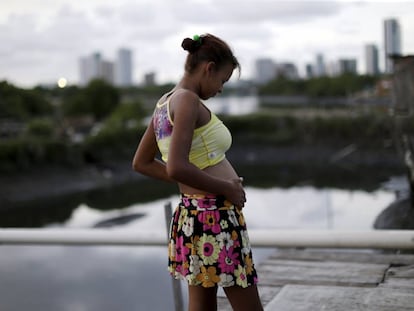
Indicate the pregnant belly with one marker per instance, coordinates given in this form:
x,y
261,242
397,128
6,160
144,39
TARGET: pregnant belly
x,y
222,170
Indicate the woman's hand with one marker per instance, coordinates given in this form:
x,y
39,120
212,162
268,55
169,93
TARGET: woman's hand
x,y
235,192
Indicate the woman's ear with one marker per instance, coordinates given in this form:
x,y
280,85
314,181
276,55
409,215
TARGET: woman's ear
x,y
210,67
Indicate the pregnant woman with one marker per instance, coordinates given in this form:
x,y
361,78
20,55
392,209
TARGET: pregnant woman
x,y
209,245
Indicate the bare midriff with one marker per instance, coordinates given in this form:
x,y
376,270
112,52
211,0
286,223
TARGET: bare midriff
x,y
223,170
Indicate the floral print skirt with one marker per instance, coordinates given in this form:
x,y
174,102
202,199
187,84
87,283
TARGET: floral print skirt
x,y
209,244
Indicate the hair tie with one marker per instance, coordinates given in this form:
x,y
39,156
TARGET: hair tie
x,y
197,39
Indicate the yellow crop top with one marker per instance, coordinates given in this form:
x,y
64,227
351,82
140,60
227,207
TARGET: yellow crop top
x,y
210,141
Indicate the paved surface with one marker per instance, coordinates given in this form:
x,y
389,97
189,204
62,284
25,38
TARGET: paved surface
x,y
335,280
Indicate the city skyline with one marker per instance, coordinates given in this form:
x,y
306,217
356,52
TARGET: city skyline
x,y
42,41
118,72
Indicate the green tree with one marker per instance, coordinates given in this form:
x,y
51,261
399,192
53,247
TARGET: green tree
x,y
21,104
283,86
102,97
98,98
127,113
342,85
42,128
76,104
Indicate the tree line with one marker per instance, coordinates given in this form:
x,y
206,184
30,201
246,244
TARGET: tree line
x,y
45,119
340,86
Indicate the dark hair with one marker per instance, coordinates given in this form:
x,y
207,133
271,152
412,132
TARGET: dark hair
x,y
208,48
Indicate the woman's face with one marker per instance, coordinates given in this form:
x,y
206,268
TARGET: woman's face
x,y
215,79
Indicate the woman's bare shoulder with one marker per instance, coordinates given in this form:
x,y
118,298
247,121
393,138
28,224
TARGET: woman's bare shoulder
x,y
184,100
185,95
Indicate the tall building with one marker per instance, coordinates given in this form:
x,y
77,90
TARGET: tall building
x,y
89,68
123,68
332,69
94,67
310,71
265,70
287,70
107,71
392,41
347,66
320,68
371,60
149,79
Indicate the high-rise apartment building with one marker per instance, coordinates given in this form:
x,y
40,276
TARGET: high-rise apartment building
x,y
371,60
107,71
347,66
310,71
94,67
320,67
123,68
265,70
149,79
287,70
89,68
392,41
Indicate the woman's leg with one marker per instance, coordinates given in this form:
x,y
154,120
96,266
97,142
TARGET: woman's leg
x,y
244,299
202,298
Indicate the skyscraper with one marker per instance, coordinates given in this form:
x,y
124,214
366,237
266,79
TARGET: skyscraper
x,y
347,66
89,68
320,69
310,71
287,70
265,70
123,68
371,60
94,67
392,41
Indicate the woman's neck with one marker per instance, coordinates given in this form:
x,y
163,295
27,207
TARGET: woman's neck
x,y
189,82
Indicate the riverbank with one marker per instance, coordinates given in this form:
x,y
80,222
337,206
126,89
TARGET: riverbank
x,y
47,182
286,165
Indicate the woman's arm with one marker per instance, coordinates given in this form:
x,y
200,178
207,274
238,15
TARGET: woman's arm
x,y
145,161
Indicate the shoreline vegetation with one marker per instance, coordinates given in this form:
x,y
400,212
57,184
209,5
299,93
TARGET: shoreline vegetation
x,y
57,142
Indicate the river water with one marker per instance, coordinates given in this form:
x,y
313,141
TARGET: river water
x,y
234,105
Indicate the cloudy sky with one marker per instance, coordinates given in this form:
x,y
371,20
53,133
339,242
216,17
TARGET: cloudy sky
x,y
42,40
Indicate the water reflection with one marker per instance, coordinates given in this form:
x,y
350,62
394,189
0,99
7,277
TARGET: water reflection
x,y
41,213
273,208
233,105
54,210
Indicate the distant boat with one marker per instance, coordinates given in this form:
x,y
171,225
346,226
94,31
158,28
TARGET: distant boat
x,y
118,221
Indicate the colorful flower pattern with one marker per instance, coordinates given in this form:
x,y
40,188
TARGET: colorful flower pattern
x,y
209,244
161,122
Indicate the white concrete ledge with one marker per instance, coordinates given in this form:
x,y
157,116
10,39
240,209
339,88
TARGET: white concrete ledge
x,y
371,239
112,237
381,239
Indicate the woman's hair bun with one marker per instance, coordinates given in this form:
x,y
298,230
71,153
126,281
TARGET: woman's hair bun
x,y
190,45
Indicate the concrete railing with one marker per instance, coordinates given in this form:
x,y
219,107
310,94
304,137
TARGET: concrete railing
x,y
372,239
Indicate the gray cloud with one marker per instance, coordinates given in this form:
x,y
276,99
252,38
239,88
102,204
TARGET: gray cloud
x,y
235,11
42,40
